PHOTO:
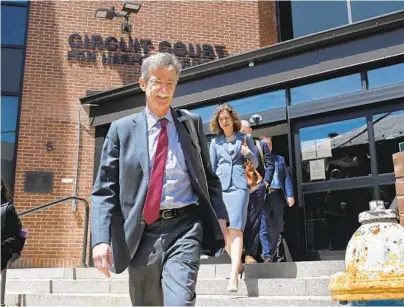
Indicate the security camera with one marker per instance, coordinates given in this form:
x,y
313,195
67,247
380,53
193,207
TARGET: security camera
x,y
256,119
126,27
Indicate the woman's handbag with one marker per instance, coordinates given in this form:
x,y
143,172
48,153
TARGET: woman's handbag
x,y
16,226
253,177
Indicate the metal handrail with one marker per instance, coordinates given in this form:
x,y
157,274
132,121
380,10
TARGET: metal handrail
x,y
39,208
87,213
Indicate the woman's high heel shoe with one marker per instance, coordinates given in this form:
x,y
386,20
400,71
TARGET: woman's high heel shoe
x,y
233,285
241,270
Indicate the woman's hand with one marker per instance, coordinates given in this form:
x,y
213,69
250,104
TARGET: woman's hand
x,y
245,150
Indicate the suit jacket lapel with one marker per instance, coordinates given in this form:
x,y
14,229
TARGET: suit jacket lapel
x,y
140,136
281,171
276,164
186,144
239,141
221,140
281,177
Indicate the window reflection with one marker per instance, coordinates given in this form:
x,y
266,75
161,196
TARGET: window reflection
x,y
13,22
389,132
332,217
205,112
335,151
11,69
314,16
13,32
9,110
386,75
310,17
326,89
259,103
7,158
368,9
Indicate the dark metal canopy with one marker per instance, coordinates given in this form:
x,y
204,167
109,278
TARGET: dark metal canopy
x,y
349,48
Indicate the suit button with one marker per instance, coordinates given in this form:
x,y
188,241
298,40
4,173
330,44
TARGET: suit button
x,y
142,223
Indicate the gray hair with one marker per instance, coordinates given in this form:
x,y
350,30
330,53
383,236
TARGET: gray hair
x,y
245,123
160,59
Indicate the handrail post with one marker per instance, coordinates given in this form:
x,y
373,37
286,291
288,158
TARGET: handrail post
x,y
86,221
3,286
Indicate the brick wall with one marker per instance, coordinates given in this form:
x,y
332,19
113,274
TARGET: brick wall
x,y
267,23
52,87
398,159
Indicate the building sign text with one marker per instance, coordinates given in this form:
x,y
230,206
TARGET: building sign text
x,y
131,51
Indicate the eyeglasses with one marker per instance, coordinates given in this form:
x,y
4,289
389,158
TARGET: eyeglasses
x,y
157,82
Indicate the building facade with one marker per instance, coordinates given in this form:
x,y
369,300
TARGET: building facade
x,y
328,89
53,53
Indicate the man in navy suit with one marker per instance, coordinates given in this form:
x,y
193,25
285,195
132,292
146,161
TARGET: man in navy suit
x,y
256,200
279,191
156,201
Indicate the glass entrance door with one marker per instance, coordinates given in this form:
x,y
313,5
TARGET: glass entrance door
x,y
343,162
279,133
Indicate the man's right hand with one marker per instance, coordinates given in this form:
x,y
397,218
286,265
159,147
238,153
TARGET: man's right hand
x,y
102,257
223,226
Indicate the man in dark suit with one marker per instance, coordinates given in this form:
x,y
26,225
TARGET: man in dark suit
x,y
156,202
256,200
280,191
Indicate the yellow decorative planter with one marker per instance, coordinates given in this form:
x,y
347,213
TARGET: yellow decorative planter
x,y
374,259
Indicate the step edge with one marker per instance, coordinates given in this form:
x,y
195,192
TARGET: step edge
x,y
199,296
217,278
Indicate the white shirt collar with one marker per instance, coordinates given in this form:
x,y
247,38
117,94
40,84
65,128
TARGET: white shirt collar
x,y
152,118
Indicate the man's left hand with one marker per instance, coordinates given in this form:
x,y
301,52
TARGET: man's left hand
x,y
291,201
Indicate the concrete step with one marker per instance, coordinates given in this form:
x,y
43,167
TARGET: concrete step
x,y
206,286
233,300
273,270
278,270
85,299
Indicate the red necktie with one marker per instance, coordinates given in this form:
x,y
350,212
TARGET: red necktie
x,y
151,209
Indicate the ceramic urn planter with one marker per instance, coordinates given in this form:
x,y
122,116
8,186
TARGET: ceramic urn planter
x,y
374,259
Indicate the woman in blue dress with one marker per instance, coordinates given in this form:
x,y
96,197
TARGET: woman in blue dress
x,y
228,152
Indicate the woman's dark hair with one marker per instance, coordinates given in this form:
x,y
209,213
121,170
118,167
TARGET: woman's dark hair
x,y
214,123
5,193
